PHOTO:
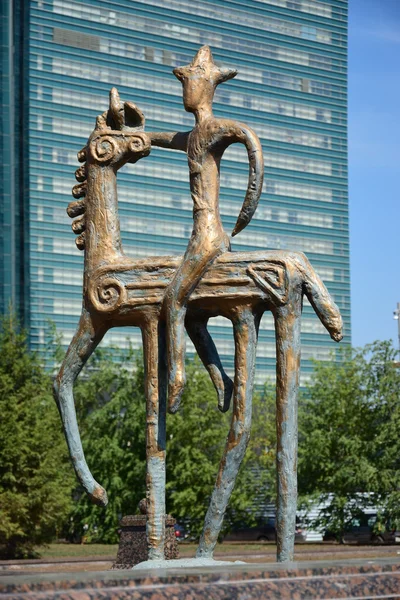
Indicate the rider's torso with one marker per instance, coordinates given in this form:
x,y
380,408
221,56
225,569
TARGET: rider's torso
x,y
205,148
204,161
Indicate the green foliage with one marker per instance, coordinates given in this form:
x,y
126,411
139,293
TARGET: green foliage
x,y
349,449
35,479
111,411
195,444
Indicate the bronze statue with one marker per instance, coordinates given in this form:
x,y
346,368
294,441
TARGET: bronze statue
x,y
162,294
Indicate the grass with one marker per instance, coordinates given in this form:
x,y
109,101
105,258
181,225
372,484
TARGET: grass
x,y
64,556
84,551
71,558
78,551
108,550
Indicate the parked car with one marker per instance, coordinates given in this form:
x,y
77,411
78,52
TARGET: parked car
x,y
362,530
180,532
263,531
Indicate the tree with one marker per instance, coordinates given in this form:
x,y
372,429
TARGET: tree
x,y
111,410
349,444
383,388
35,479
196,438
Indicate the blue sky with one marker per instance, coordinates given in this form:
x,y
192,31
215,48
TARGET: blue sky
x,y
374,167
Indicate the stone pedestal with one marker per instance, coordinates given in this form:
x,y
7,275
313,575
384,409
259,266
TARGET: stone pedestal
x,y
356,579
133,544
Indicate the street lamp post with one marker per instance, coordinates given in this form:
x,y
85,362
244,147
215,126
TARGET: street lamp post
x,y
396,316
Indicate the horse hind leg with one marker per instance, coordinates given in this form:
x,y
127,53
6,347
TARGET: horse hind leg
x,y
287,328
84,342
245,327
208,353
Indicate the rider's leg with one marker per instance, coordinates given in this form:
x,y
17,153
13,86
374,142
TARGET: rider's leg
x,y
198,257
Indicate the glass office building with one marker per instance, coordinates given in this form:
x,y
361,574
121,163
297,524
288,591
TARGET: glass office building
x,y
59,60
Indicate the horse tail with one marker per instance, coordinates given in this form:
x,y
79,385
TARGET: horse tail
x,y
256,177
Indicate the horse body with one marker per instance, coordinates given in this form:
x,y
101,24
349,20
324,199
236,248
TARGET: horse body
x,y
120,291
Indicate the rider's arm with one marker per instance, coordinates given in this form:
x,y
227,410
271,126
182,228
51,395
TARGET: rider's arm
x,y
174,140
230,132
256,176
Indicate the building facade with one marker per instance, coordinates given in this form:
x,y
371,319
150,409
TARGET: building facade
x,y
59,60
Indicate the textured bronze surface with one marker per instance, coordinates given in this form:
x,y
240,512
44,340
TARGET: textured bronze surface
x,y
162,295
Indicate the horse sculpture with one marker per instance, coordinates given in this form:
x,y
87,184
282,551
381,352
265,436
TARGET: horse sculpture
x,y
120,291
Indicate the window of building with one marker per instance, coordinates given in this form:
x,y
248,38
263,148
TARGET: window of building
x,y
63,306
77,39
309,33
67,277
321,9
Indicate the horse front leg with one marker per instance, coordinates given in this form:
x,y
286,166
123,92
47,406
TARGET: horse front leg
x,y
84,342
155,364
287,328
245,328
208,353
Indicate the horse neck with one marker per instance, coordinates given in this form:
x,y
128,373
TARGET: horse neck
x,y
102,237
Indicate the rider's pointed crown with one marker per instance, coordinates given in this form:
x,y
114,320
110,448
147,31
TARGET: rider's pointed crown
x,y
204,67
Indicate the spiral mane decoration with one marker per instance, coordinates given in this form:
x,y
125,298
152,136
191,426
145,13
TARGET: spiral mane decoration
x,y
78,208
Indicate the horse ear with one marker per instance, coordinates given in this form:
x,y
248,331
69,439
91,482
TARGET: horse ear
x,y
134,118
123,115
116,110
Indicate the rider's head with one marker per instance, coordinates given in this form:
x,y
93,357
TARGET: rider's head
x,y
199,80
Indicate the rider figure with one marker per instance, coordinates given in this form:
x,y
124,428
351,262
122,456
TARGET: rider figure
x,y
204,145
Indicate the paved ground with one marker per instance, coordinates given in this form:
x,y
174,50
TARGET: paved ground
x,y
249,553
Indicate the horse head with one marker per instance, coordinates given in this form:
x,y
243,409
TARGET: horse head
x,y
118,138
